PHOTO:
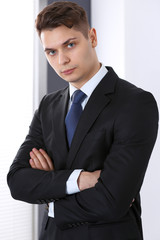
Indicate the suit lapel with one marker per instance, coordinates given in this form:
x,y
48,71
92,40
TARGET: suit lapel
x,y
59,113
99,99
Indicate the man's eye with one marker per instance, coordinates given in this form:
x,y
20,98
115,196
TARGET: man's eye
x,y
51,53
70,45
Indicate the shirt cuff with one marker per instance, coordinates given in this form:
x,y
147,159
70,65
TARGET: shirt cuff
x,y
71,184
51,210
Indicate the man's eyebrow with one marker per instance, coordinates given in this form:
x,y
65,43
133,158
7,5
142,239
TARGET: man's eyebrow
x,y
48,49
66,42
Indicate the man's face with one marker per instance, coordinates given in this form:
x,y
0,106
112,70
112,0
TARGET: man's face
x,y
70,54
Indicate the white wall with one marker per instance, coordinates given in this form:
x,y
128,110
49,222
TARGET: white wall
x,y
16,108
108,19
129,40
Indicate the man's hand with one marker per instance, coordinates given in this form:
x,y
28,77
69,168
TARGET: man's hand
x,y
88,179
40,160
132,202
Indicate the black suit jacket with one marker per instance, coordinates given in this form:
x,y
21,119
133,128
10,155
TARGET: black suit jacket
x,y
116,133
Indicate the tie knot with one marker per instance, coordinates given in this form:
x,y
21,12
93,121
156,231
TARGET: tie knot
x,y
78,96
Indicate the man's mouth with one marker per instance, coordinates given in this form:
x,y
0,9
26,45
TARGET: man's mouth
x,y
68,71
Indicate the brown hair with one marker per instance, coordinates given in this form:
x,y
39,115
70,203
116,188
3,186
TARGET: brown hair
x,y
63,13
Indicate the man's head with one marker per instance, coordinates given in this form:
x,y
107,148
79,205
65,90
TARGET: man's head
x,y
68,14
68,42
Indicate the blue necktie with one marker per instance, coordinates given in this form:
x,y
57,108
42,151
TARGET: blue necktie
x,y
74,114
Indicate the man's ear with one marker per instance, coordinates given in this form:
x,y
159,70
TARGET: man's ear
x,y
93,37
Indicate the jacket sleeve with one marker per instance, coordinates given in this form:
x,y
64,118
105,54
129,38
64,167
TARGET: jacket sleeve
x,y
32,185
135,131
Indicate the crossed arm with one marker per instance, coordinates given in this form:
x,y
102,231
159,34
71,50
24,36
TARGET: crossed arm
x,y
41,160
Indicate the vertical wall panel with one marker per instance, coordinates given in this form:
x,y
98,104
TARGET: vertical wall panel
x,y
108,20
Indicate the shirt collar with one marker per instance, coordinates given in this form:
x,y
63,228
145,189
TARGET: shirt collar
x,y
90,85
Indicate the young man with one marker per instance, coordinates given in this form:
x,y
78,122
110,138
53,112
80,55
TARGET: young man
x,y
89,144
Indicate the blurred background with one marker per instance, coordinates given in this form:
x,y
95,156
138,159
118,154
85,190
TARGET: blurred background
x,y
128,40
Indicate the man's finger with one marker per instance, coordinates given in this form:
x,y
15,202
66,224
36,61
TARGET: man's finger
x,y
43,158
132,202
37,163
31,161
49,161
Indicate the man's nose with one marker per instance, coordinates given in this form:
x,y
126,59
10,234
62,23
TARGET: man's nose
x,y
63,59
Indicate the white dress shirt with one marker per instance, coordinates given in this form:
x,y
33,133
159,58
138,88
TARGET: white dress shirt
x,y
87,88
